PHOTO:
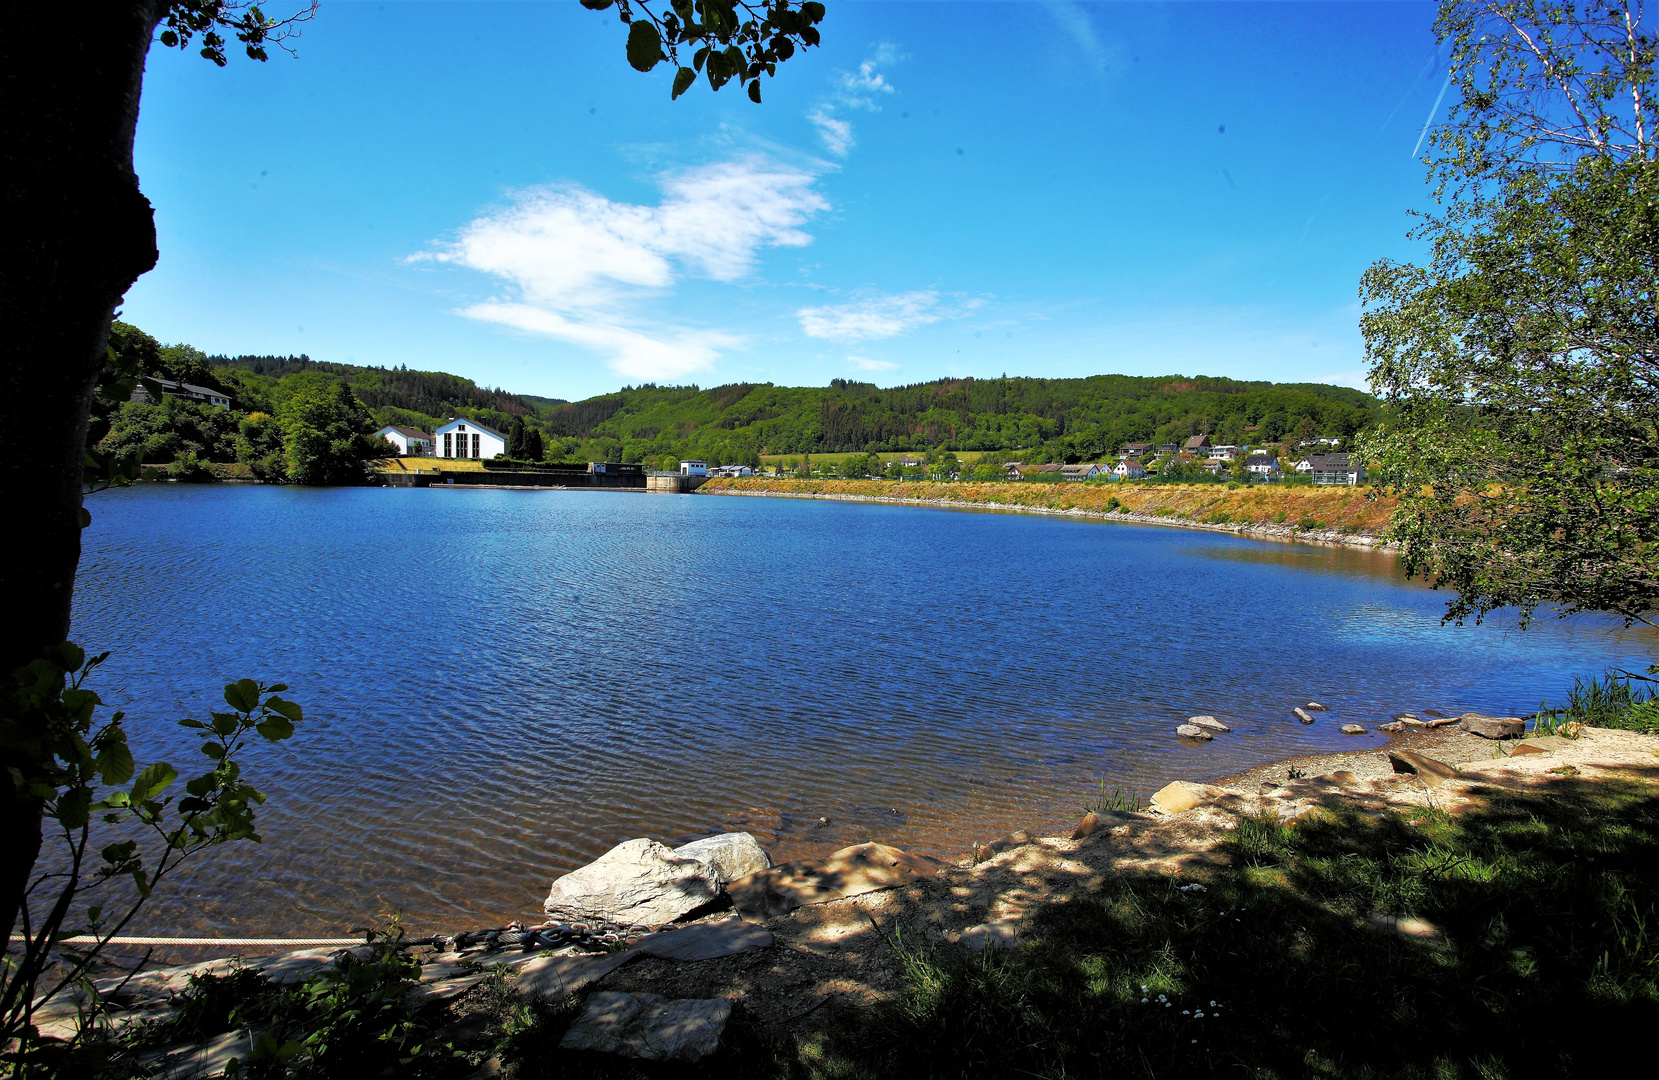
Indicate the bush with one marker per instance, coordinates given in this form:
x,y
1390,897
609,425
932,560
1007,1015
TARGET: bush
x,y
1608,702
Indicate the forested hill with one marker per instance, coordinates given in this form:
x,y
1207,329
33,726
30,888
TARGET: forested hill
x,y
396,395
1057,419
1032,419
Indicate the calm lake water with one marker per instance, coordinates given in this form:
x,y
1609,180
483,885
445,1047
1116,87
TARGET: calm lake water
x,y
501,685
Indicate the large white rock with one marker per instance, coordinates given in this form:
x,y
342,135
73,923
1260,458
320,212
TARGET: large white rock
x,y
732,855
640,881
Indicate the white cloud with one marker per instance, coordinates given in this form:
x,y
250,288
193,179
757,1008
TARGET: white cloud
x,y
1074,23
862,89
871,318
576,265
836,133
864,363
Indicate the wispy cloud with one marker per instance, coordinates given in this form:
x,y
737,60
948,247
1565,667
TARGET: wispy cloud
x,y
861,90
1074,22
864,363
871,318
577,266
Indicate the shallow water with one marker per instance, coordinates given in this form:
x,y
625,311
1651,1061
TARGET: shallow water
x,y
501,685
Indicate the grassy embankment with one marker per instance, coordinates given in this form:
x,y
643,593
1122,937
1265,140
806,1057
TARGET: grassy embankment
x,y
1339,509
426,464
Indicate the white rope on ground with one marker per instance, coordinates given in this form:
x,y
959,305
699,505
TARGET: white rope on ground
x,y
203,941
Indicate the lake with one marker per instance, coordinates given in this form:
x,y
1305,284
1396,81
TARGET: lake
x,y
501,685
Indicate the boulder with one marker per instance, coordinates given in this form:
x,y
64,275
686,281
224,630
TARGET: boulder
x,y
732,855
648,1026
1344,777
1303,715
1208,722
1180,796
639,882
1351,729
1193,731
1393,729
1431,771
1314,706
852,871
1493,727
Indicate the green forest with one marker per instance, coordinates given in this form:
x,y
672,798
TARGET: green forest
x,y
302,420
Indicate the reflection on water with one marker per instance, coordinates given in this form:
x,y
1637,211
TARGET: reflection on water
x,y
501,685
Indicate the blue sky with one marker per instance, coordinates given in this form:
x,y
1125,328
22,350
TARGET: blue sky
x,y
1052,189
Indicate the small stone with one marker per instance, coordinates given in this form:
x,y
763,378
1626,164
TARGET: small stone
x,y
1344,777
1314,706
1086,827
1179,796
1406,716
1193,731
1351,729
1303,715
1442,722
1493,727
649,1027
1431,771
1208,722
1527,748
1393,729
1267,789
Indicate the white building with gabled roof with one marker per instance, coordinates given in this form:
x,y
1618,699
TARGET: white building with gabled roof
x,y
463,438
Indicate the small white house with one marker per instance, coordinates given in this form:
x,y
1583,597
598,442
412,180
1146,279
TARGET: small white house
x,y
1223,453
1265,466
467,439
1128,469
410,442
731,471
189,391
1084,471
694,468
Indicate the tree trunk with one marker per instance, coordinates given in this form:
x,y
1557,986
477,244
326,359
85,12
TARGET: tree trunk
x,y
77,233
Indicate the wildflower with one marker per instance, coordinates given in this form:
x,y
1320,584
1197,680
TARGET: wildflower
x,y
1185,1012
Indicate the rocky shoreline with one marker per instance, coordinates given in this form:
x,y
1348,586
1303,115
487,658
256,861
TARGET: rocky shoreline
x,y
671,940
1279,532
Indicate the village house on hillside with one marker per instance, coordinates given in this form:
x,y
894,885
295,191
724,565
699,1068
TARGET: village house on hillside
x,y
1017,471
1134,450
1332,469
1128,469
1084,471
1265,466
410,442
468,439
731,471
1223,453
189,391
1195,443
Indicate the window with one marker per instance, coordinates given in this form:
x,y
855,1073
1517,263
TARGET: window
x,y
475,444
447,438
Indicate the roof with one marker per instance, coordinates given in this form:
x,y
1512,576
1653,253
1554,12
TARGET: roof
x,y
1041,468
463,420
1261,459
406,432
1196,441
1137,446
1080,467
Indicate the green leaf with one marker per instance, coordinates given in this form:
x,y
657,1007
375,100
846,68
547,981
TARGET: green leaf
x,y
813,11
242,695
644,45
213,750
275,728
86,517
194,725
114,762
152,781
754,91
286,708
683,79
225,723
597,5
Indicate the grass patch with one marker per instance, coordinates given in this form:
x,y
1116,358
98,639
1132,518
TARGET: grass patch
x,y
1545,962
1608,702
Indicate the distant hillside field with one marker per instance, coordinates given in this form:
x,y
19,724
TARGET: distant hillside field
x,y
1314,510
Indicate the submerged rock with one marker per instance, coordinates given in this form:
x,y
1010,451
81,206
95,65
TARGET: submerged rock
x,y
1208,722
1303,715
1193,731
639,881
1352,729
1314,706
1394,728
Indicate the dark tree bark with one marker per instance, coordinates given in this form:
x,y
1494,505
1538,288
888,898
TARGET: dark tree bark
x,y
77,233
